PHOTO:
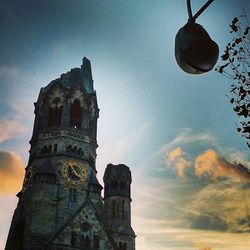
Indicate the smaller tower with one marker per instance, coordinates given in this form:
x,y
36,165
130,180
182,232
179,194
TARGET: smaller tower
x,y
117,199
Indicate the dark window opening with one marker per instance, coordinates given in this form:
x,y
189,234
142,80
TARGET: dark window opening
x,y
50,149
55,148
113,209
124,247
55,115
114,184
123,184
69,148
76,114
96,242
80,152
73,240
74,150
123,209
86,242
44,150
120,245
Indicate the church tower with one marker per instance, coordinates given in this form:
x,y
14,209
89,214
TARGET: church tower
x,y
60,205
117,199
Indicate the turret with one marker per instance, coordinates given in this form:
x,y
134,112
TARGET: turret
x,y
117,199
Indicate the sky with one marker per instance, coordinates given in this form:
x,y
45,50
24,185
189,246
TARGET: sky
x,y
177,132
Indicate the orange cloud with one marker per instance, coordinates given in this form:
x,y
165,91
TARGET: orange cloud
x,y
11,172
210,165
180,160
204,247
9,128
175,153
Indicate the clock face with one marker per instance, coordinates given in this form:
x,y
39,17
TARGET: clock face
x,y
74,173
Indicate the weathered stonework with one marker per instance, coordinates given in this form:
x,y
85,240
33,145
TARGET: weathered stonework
x,y
60,205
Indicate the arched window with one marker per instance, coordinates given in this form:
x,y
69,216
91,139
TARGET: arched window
x,y
75,114
55,115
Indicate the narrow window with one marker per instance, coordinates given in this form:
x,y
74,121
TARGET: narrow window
x,y
118,212
87,242
50,149
55,115
96,242
122,185
73,240
112,184
80,151
123,209
83,241
55,148
76,114
113,209
124,247
120,245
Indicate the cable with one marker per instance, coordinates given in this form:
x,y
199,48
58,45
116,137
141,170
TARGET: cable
x,y
198,13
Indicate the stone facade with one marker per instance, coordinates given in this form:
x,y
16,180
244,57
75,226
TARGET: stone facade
x,y
60,205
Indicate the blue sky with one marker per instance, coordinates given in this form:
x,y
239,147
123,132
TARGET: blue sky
x,y
154,117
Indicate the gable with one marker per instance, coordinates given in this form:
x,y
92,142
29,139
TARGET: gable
x,y
86,229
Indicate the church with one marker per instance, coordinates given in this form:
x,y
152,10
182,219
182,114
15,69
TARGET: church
x,y
61,206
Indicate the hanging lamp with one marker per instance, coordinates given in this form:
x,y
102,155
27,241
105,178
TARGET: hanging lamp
x,y
195,51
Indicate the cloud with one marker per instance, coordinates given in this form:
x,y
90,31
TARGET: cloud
x,y
185,136
9,128
209,222
203,246
211,166
179,160
207,165
219,206
205,210
11,172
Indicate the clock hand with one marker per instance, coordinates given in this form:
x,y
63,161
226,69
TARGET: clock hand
x,y
73,169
